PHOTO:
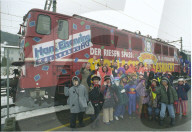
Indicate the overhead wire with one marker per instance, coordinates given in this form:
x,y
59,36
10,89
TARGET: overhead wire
x,y
109,8
168,19
134,18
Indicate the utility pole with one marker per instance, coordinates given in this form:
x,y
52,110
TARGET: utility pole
x,y
181,41
48,5
7,83
54,5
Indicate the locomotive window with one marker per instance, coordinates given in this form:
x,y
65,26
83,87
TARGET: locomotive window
x,y
63,28
121,40
100,36
136,44
43,24
171,51
157,49
165,50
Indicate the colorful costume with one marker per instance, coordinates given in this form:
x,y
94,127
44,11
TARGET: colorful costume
x,y
96,98
120,69
103,74
153,104
182,95
114,71
131,92
93,64
144,98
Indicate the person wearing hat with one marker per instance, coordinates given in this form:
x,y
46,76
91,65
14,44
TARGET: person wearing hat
x,y
143,96
126,67
78,98
96,98
120,71
168,98
114,68
170,77
182,88
109,100
122,98
101,62
149,79
153,105
93,62
131,93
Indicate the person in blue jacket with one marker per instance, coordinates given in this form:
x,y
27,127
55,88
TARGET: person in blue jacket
x,y
182,90
131,92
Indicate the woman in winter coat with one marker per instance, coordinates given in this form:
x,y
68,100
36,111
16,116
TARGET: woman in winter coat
x,y
85,72
109,100
122,98
182,90
77,101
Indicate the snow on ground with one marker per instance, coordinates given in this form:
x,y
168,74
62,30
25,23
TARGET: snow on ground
x,y
19,109
5,76
4,100
36,112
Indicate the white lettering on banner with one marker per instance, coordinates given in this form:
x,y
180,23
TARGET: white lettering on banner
x,y
112,53
44,52
126,54
95,51
165,59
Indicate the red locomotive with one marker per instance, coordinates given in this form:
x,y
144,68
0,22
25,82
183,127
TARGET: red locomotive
x,y
54,47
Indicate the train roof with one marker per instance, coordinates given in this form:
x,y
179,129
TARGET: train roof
x,y
158,40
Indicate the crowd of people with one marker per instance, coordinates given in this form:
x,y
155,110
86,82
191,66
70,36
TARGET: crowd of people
x,y
137,91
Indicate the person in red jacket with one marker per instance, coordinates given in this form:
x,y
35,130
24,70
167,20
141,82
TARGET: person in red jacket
x,y
103,71
130,70
141,68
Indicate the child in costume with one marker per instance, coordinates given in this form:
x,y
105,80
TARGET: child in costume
x,y
96,98
122,99
120,71
114,68
182,90
143,96
131,93
154,99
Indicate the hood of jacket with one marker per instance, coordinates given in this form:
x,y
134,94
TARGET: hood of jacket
x,y
165,78
76,77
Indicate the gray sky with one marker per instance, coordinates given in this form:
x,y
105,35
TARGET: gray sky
x,y
168,19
